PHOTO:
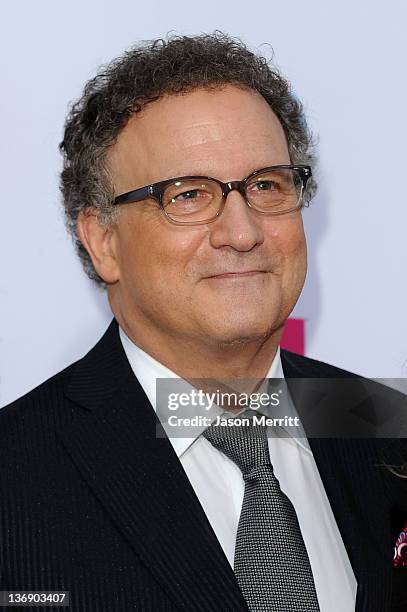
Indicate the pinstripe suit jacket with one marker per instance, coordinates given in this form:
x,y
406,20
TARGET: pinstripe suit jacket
x,y
92,502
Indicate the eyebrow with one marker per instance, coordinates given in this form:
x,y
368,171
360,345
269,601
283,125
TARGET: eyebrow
x,y
212,174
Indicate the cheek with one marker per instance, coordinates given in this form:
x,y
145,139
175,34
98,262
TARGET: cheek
x,y
287,241
296,248
159,255
287,238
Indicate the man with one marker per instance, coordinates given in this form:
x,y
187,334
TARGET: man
x,y
201,273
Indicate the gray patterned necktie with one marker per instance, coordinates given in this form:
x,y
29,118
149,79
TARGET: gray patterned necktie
x,y
271,562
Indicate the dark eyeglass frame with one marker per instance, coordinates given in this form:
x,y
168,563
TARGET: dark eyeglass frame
x,y
156,191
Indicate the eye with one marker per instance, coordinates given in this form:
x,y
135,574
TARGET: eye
x,y
189,200
192,194
265,185
193,197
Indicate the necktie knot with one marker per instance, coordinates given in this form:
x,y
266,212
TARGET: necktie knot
x,y
244,442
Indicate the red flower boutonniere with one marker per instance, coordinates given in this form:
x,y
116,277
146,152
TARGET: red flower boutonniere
x,y
400,549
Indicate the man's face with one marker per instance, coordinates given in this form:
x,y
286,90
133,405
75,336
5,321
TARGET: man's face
x,y
168,275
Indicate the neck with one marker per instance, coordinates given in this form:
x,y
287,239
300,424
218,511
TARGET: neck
x,y
240,364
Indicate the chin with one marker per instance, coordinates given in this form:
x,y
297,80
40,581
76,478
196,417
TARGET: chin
x,y
235,335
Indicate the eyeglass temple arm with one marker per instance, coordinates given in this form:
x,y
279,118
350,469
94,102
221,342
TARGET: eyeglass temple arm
x,y
134,196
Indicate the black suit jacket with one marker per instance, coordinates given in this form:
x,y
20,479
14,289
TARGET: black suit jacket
x,y
92,502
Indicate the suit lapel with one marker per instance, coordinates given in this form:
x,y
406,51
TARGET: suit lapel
x,y
346,470
141,483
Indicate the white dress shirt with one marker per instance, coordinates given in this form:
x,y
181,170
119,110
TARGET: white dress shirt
x,y
219,486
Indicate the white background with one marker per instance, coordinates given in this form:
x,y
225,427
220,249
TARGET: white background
x,y
347,62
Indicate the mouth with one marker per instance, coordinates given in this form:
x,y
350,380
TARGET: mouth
x,y
238,274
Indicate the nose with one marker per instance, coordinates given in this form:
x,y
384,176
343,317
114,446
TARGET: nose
x,y
238,226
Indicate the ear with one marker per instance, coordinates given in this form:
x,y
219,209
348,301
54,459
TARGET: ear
x,y
99,242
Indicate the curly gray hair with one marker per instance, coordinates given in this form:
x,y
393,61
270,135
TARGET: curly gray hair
x,y
141,75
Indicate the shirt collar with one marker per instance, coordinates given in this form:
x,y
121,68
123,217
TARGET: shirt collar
x,y
147,369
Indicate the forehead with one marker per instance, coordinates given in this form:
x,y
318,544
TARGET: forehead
x,y
222,133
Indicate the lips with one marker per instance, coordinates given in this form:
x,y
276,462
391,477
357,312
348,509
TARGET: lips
x,y
238,274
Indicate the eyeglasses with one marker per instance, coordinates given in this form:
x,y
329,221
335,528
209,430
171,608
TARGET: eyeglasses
x,y
194,200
